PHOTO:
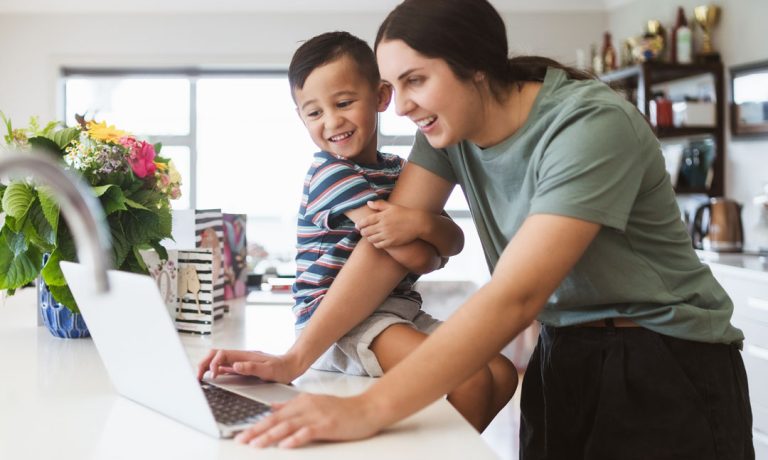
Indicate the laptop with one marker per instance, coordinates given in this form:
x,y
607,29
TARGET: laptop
x,y
146,361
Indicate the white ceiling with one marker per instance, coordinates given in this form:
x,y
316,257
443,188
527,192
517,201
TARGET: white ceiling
x,y
290,6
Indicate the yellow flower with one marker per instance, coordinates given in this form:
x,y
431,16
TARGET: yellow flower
x,y
161,166
102,132
173,173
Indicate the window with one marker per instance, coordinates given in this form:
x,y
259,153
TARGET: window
x,y
396,135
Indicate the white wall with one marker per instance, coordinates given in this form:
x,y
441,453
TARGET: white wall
x,y
741,38
33,47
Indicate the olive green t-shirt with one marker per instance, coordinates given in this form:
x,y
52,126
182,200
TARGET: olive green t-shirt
x,y
586,153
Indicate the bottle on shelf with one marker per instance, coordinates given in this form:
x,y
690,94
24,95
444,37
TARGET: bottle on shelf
x,y
682,46
609,54
595,60
660,114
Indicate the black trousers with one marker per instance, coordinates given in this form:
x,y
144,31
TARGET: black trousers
x,y
630,393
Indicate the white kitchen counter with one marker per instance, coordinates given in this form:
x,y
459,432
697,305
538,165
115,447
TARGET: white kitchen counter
x,y
56,400
745,264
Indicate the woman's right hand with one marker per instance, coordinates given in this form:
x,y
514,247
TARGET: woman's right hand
x,y
273,368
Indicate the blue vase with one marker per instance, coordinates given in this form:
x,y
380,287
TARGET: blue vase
x,y
58,318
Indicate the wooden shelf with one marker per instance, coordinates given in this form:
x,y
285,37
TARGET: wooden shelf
x,y
636,84
660,72
692,190
684,131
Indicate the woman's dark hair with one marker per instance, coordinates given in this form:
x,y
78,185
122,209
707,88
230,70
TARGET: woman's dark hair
x,y
326,48
470,36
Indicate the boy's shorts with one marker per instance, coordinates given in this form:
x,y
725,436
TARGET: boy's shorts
x,y
352,353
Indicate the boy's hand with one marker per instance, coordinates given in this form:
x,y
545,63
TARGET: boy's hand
x,y
273,368
392,225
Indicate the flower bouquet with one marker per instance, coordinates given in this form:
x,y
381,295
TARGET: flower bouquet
x,y
133,183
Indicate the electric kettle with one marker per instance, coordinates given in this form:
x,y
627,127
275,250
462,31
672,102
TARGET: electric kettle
x,y
716,226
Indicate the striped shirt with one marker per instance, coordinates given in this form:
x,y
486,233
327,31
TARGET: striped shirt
x,y
325,236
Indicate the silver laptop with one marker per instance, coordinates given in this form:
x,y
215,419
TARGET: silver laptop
x,y
146,361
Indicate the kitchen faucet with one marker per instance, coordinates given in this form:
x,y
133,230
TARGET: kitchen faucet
x,y
79,207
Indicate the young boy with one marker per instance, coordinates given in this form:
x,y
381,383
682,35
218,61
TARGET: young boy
x,y
337,89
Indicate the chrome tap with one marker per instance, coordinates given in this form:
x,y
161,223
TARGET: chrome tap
x,y
79,207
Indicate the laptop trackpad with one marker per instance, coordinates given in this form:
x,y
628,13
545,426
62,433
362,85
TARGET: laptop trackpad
x,y
256,388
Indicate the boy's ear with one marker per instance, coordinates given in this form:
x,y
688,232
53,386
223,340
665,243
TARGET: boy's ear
x,y
384,96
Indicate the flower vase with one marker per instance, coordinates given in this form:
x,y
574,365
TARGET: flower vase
x,y
58,318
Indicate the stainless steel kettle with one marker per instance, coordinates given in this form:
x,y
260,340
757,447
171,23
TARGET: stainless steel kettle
x,y
717,226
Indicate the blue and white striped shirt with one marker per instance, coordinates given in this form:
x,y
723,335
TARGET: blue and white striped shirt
x,y
325,236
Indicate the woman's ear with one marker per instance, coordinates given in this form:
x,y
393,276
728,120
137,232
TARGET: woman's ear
x,y
384,96
479,77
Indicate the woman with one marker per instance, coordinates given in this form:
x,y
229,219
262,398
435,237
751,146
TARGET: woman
x,y
578,220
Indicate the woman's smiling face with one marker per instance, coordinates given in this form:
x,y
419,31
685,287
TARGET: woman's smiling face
x,y
446,109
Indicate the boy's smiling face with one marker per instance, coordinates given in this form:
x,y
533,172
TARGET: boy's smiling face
x,y
339,107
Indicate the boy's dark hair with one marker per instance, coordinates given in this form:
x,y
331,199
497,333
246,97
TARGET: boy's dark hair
x,y
470,36
326,48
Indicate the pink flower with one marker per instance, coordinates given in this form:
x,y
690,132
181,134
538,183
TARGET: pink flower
x,y
128,142
142,158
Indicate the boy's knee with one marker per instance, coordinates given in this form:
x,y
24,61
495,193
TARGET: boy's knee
x,y
481,382
502,368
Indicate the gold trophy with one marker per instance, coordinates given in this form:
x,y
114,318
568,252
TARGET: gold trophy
x,y
707,17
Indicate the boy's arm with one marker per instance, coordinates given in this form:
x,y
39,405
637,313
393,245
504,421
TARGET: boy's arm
x,y
417,256
392,225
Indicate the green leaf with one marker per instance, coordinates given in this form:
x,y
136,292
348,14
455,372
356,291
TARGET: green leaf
x,y
46,145
17,199
165,218
19,262
13,225
46,132
2,192
100,190
63,137
120,245
50,206
139,260
111,197
140,227
9,128
66,244
131,264
147,198
51,272
158,146
37,230
63,295
132,204
161,251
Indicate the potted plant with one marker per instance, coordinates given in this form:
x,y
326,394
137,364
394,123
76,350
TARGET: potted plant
x,y
133,183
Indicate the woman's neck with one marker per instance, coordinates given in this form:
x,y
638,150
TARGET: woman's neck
x,y
502,119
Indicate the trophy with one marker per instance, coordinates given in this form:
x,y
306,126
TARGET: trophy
x,y
707,17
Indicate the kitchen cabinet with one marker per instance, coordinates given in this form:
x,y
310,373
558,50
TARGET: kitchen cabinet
x,y
638,84
745,278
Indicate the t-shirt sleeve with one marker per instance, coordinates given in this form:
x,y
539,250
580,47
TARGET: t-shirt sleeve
x,y
592,169
334,189
432,159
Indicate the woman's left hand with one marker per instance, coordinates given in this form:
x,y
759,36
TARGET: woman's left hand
x,y
309,417
392,225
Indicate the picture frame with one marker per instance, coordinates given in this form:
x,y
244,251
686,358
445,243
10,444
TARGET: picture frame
x,y
749,99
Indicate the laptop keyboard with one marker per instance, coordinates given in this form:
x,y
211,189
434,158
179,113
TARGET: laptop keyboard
x,y
232,409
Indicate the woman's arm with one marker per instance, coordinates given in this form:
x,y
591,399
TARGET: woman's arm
x,y
526,275
392,226
416,255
